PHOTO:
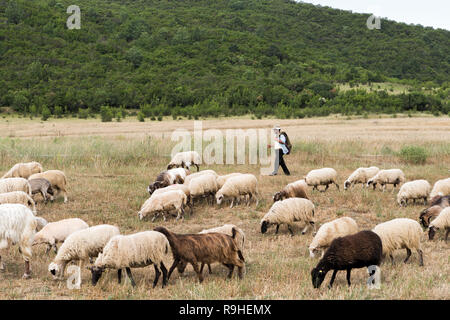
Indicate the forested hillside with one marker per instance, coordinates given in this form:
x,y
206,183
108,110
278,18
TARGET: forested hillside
x,y
215,57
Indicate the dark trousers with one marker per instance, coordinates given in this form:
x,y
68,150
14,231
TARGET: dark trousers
x,y
279,161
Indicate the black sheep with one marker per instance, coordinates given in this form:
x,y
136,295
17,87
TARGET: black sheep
x,y
362,249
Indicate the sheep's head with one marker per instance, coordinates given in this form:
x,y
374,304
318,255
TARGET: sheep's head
x,y
141,215
96,274
50,190
219,198
152,187
431,232
313,251
264,226
277,196
346,184
181,266
54,269
171,166
318,275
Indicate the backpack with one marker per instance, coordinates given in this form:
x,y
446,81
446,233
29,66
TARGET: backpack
x,y
288,142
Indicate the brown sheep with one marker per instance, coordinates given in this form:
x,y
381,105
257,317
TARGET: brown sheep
x,y
204,248
295,189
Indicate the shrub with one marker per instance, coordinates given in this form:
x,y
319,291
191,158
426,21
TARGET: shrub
x,y
83,113
413,154
159,118
106,114
141,116
45,113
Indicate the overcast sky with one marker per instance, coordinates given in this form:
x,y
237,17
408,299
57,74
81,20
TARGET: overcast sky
x,y
428,13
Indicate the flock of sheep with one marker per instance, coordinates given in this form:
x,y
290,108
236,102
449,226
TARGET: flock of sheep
x,y
341,244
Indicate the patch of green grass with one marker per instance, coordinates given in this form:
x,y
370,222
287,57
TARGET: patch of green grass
x,y
413,154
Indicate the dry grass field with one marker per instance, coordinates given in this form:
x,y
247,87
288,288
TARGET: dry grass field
x,y
109,166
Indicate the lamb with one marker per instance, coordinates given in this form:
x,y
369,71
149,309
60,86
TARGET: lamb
x,y
222,179
57,232
185,160
234,187
359,250
417,189
17,225
42,186
23,170
441,222
198,174
321,177
167,178
133,251
360,175
164,202
18,197
204,248
57,179
296,189
400,233
204,186
225,229
15,184
81,245
440,188
289,211
384,177
329,231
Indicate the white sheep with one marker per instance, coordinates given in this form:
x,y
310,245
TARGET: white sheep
x,y
289,211
203,186
181,187
80,246
23,170
164,202
360,175
241,185
198,174
57,179
18,197
15,184
133,251
17,226
321,177
57,232
329,231
222,179
400,233
296,189
185,159
440,188
442,222
417,189
384,177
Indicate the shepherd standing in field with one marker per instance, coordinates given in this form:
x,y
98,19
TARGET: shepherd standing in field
x,y
282,146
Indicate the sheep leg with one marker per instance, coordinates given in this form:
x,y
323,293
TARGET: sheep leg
x,y
174,264
231,268
43,192
164,272
408,254
420,252
232,203
209,268
305,229
349,271
55,247
446,234
119,276
130,276
199,274
201,267
290,230
278,227
332,279
337,186
196,165
27,273
425,202
49,246
2,266
157,274
392,259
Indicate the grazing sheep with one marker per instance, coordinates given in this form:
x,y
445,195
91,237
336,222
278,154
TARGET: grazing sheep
x,y
359,250
57,179
57,232
400,233
206,249
296,189
360,175
289,211
136,250
442,222
42,186
15,184
81,245
442,201
417,189
204,186
23,170
18,197
164,202
167,178
225,229
384,177
440,188
185,160
321,177
17,226
429,214
181,187
222,179
198,174
329,231
234,187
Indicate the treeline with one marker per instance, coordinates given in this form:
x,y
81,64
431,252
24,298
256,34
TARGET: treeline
x,y
213,57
